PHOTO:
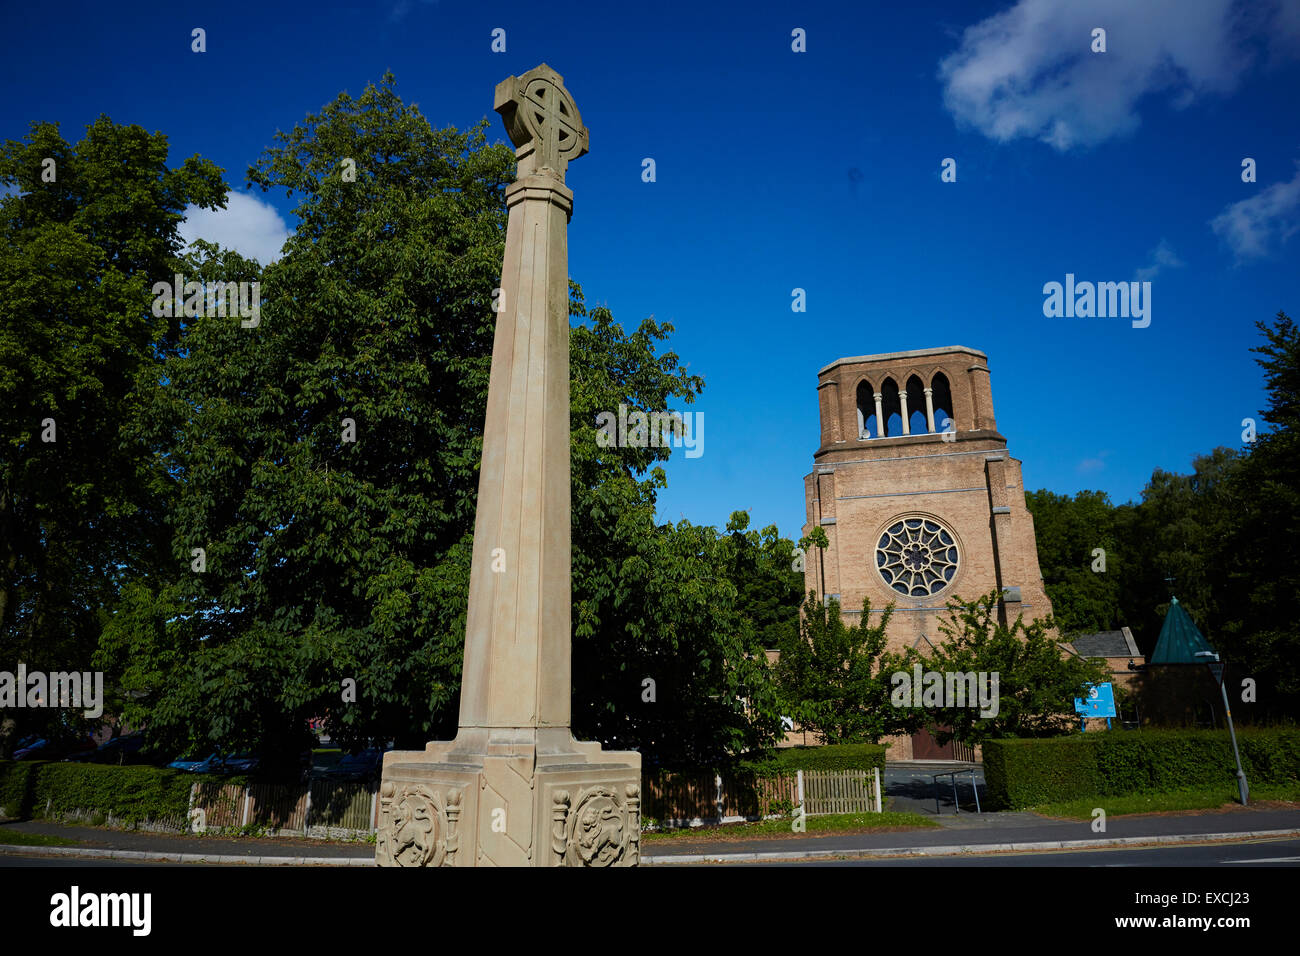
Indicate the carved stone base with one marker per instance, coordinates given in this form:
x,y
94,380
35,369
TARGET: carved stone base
x,y
510,797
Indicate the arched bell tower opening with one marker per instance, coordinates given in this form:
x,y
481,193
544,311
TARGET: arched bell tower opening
x,y
941,397
868,419
917,422
892,408
918,495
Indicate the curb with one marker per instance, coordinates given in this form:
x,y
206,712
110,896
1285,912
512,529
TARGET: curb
x,y
961,849
7,849
676,858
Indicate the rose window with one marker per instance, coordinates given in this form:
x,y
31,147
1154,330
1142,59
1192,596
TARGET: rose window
x,y
917,557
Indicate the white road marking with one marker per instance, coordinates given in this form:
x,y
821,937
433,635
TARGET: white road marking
x,y
1271,859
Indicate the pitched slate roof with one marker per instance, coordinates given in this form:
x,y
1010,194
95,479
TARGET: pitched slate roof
x,y
1106,644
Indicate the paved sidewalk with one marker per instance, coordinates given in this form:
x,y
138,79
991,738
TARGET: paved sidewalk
x,y
966,833
969,833
102,839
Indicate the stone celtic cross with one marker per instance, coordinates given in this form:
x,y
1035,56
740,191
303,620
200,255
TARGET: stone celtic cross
x,y
542,120
515,788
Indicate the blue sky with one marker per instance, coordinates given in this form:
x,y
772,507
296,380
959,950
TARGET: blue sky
x,y
817,170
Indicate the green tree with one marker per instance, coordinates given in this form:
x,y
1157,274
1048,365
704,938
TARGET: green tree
x,y
1180,529
759,564
1083,590
330,560
87,232
1257,629
652,602
1037,680
834,679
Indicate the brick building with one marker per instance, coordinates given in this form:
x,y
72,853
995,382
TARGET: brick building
x,y
918,496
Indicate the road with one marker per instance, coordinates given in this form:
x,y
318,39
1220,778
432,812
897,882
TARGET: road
x,y
1252,854
913,787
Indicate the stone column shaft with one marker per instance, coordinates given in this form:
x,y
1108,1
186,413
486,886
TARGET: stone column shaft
x,y
517,641
515,788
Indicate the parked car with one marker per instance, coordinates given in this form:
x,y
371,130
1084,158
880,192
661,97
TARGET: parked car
x,y
119,750
356,767
240,763
216,763
50,749
207,765
80,749
33,749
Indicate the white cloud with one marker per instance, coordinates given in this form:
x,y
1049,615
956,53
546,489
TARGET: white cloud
x,y
1161,257
1250,226
1030,70
251,227
1094,464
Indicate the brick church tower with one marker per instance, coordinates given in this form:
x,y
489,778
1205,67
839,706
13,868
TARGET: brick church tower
x,y
917,494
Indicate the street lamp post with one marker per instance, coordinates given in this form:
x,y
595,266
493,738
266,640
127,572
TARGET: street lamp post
x,y
1216,668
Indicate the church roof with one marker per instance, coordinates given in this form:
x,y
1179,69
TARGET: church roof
x,y
1106,644
1179,639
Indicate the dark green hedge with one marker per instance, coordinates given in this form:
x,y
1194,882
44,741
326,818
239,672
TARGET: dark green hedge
x,y
831,757
1023,773
132,793
15,780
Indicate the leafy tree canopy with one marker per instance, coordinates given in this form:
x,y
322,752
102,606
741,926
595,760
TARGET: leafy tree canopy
x,y
329,559
833,678
1037,681
89,228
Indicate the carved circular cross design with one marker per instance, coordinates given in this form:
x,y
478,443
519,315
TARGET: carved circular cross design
x,y
552,117
917,556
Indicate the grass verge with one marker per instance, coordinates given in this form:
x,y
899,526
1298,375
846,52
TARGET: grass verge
x,y
828,823
18,838
1171,801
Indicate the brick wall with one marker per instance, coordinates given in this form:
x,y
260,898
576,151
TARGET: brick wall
x,y
970,485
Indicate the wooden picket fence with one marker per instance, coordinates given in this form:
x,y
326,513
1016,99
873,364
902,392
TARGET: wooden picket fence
x,y
838,791
321,808
678,800
222,804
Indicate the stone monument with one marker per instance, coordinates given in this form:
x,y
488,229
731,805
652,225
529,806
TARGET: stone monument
x,y
515,788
